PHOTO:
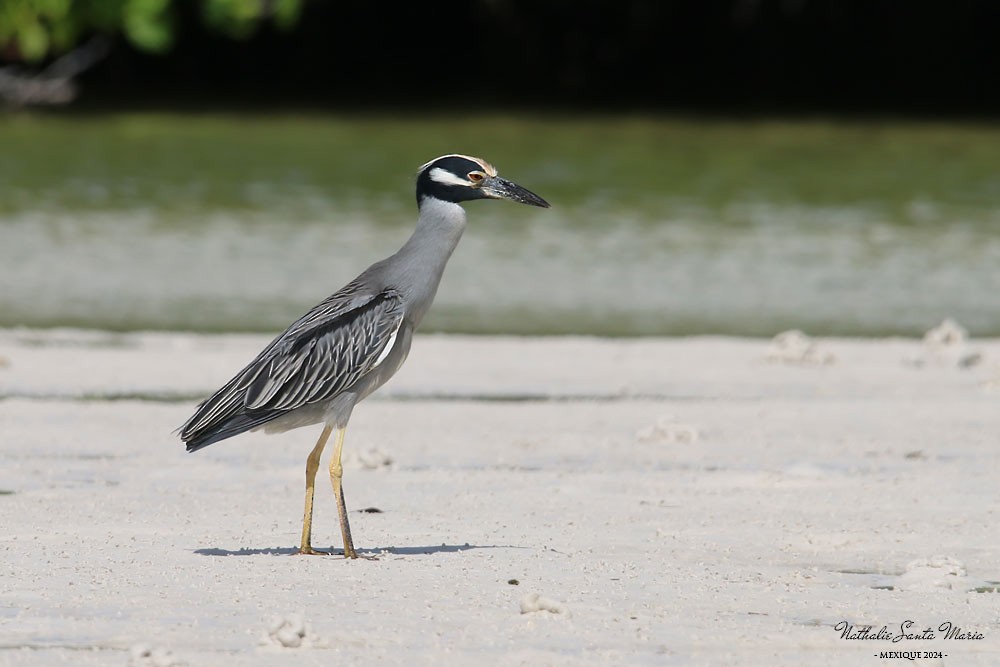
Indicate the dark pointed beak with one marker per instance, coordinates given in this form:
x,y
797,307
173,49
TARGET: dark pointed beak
x,y
499,188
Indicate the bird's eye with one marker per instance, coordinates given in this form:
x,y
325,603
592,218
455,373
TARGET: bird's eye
x,y
476,176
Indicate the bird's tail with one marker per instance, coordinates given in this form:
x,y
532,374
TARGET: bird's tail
x,y
233,426
222,416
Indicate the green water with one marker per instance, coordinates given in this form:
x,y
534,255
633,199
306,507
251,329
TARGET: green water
x,y
239,223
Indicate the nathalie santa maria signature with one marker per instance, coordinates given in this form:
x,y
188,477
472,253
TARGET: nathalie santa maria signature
x,y
906,631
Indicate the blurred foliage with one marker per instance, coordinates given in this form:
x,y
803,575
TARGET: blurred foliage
x,y
32,30
239,18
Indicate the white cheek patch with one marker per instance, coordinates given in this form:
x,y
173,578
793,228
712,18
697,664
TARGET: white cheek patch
x,y
445,177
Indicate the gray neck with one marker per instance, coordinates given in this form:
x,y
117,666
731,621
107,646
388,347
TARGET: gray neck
x,y
417,268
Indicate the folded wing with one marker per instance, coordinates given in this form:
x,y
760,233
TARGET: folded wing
x,y
320,355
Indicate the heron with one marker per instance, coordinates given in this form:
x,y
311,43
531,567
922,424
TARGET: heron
x,y
351,343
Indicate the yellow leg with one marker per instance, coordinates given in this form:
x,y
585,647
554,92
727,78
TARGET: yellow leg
x,y
336,477
312,465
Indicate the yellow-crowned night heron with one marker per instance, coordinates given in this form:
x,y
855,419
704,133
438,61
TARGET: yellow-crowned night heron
x,y
349,345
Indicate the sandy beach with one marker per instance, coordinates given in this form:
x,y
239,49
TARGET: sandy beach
x,y
540,501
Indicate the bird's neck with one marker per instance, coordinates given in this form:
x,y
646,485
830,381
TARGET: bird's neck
x,y
421,261
438,231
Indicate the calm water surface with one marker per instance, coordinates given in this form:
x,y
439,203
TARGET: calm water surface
x,y
223,223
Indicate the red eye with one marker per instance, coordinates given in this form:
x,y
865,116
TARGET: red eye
x,y
475,176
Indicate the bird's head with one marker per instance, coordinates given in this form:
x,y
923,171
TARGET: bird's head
x,y
458,178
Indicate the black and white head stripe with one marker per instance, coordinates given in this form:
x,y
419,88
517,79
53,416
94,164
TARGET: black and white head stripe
x,y
458,178
447,178
461,161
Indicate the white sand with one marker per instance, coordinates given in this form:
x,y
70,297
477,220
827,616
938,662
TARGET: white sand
x,y
681,502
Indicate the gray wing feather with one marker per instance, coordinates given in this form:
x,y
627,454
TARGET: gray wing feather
x,y
320,355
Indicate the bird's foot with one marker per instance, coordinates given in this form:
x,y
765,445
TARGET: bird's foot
x,y
352,554
309,551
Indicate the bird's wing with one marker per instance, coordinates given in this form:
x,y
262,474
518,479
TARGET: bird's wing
x,y
326,357
322,353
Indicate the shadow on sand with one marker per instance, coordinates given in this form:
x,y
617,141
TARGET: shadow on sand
x,y
382,551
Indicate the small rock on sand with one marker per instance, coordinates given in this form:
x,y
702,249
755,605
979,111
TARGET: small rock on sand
x,y
367,459
796,348
926,574
947,344
289,631
948,333
144,655
533,602
667,430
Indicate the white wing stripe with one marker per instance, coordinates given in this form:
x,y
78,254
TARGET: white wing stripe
x,y
388,346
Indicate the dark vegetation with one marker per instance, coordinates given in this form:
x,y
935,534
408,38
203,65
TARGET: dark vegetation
x,y
916,57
